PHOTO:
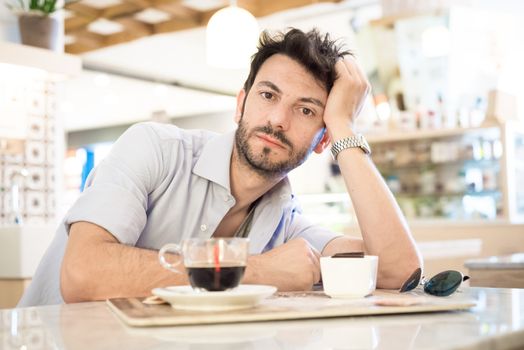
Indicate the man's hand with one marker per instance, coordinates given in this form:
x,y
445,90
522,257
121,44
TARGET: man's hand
x,y
346,97
97,267
292,266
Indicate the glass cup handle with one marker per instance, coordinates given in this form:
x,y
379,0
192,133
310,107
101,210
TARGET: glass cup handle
x,y
176,250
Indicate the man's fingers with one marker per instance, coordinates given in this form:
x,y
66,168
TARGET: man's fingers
x,y
315,258
342,69
316,267
357,72
354,70
315,252
349,65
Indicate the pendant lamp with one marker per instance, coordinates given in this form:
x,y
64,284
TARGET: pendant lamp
x,y
231,37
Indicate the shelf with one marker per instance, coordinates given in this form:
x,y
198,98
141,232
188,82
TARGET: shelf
x,y
344,197
440,223
448,194
398,135
60,65
12,146
458,162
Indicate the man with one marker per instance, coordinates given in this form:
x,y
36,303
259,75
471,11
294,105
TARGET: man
x,y
161,184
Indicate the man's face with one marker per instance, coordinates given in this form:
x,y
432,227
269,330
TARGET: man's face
x,y
282,120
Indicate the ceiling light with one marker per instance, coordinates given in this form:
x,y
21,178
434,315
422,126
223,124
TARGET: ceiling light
x,y
105,27
69,39
203,5
152,16
231,37
100,4
68,14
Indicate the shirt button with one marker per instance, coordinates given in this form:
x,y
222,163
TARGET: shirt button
x,y
203,227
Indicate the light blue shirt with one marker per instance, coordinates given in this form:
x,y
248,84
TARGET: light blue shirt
x,y
161,184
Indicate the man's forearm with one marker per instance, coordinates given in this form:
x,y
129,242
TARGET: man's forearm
x,y
97,267
382,224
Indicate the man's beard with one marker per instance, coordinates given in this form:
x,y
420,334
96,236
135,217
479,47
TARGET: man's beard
x,y
261,163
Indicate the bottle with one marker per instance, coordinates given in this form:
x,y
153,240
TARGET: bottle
x,y
448,120
461,184
421,115
478,113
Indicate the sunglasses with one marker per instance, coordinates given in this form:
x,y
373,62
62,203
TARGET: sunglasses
x,y
441,285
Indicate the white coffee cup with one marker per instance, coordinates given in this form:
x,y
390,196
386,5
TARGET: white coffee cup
x,y
349,277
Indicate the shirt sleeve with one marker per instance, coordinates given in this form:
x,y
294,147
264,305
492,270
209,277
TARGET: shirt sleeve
x,y
116,192
316,235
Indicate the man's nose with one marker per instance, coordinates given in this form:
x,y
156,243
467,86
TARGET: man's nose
x,y
280,117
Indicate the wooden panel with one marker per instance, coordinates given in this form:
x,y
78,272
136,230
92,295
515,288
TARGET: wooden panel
x,y
83,43
142,3
106,12
133,29
497,278
178,10
77,21
11,291
183,17
173,25
261,8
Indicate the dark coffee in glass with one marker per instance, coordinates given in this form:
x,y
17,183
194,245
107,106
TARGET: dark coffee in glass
x,y
214,279
213,264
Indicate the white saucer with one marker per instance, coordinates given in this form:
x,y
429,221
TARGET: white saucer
x,y
186,298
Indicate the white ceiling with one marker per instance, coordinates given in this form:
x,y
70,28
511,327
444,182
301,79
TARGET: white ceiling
x,y
177,58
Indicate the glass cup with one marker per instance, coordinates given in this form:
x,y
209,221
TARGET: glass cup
x,y
214,264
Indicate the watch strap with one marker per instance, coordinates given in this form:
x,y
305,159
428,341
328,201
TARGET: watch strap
x,y
356,141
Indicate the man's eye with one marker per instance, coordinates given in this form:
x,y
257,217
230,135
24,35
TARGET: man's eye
x,y
307,111
267,95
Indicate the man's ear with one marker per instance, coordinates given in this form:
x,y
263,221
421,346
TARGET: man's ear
x,y
323,143
240,104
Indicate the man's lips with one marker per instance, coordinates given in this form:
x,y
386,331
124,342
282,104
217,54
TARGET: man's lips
x,y
270,140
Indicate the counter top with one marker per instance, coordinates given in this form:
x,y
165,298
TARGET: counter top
x,y
513,261
497,322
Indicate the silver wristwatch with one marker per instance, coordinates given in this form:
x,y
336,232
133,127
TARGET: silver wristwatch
x,y
350,142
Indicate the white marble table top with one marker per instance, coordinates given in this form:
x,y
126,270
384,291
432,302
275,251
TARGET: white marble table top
x,y
512,261
497,322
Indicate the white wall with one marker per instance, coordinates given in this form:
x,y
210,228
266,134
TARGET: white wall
x,y
220,122
8,25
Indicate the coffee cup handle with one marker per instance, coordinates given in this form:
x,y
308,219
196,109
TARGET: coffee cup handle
x,y
175,249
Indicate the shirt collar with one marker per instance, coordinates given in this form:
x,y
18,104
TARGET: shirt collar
x,y
215,159
214,163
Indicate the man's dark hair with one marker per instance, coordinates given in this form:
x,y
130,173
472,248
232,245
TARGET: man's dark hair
x,y
316,53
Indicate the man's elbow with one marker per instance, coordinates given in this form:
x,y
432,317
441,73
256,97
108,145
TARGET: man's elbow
x,y
393,276
74,283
